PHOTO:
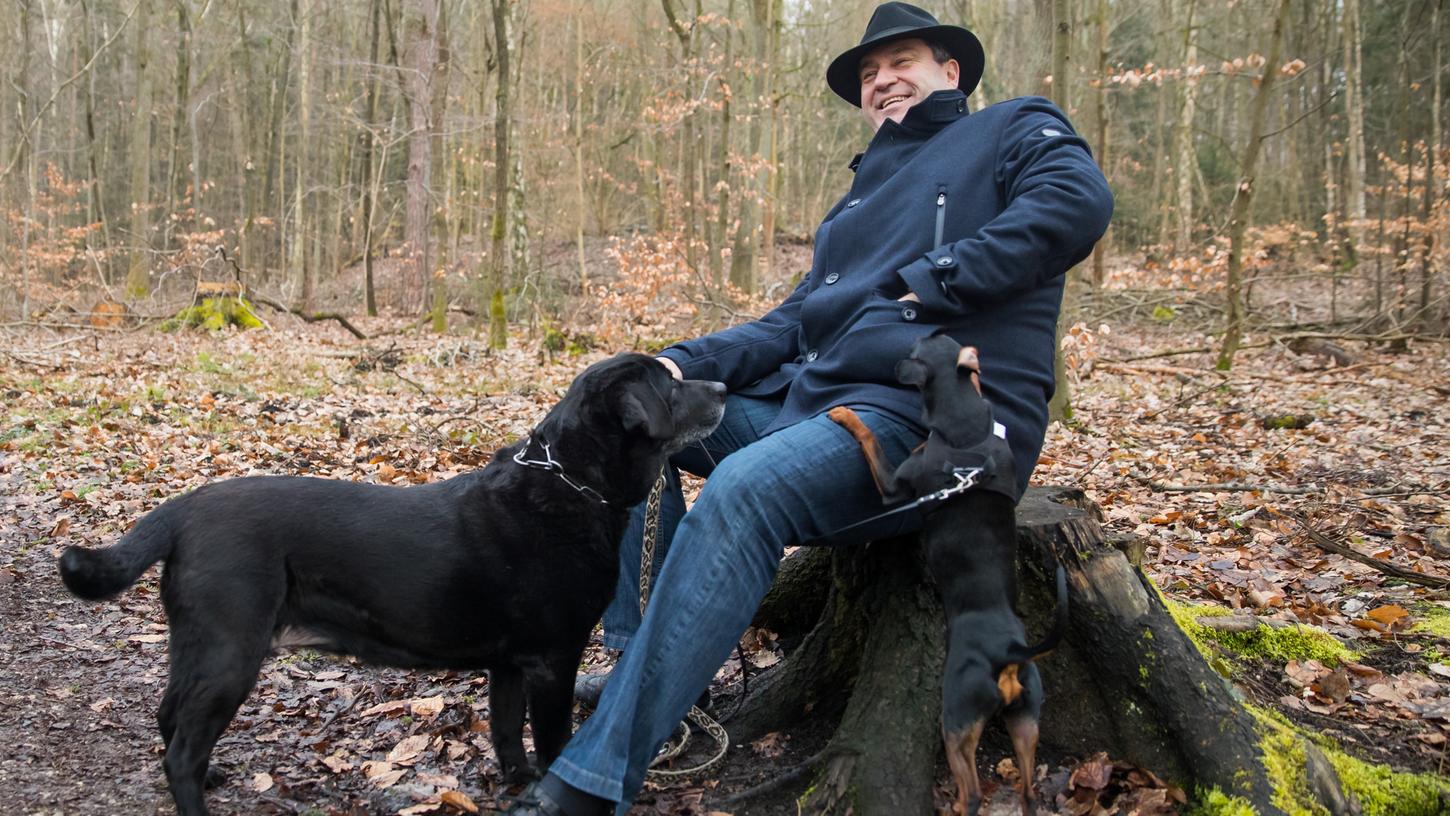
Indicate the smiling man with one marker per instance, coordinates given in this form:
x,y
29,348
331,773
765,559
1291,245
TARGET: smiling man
x,y
958,223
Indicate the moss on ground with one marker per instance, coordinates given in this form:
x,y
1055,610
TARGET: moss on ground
x,y
1433,620
1379,789
1280,645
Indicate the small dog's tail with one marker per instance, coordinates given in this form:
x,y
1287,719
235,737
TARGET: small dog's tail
x,y
99,574
1059,625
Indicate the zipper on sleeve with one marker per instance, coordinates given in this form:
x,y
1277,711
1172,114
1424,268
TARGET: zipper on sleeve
x,y
941,214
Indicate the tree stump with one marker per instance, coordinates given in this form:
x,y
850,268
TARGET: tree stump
x,y
1125,679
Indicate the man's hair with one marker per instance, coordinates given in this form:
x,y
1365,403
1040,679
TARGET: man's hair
x,y
938,51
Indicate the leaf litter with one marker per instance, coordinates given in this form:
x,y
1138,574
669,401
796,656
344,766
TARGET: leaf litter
x,y
87,448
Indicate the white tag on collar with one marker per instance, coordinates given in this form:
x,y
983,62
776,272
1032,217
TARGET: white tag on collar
x,y
999,430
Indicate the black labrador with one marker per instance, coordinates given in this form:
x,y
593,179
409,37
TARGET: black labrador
x,y
506,568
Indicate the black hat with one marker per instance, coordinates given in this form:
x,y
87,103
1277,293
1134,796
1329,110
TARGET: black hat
x,y
898,21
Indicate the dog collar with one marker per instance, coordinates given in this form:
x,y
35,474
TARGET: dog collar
x,y
552,465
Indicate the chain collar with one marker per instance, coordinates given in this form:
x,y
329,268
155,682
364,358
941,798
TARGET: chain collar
x,y
552,465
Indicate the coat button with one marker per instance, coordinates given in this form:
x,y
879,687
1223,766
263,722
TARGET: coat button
x,y
832,278
812,355
943,261
908,313
853,202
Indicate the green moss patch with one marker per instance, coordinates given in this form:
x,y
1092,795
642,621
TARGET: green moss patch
x,y
1280,645
1383,792
1217,803
1380,790
214,314
1433,620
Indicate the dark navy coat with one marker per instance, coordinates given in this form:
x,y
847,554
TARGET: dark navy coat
x,y
980,215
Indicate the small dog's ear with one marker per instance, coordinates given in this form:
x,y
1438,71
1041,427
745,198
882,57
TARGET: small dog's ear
x,y
652,419
968,364
912,371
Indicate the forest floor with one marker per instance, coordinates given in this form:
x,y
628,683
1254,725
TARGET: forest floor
x,y
1235,511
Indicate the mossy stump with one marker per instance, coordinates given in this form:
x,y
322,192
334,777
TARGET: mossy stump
x,y
1126,679
214,314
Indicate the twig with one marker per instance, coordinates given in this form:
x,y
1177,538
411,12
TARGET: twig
x,y
1326,543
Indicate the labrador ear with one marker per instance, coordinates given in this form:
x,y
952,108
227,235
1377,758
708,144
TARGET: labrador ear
x,y
649,416
911,371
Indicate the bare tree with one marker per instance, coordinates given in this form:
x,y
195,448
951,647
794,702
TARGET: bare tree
x,y
1239,215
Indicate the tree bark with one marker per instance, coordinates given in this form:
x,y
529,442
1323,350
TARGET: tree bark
x,y
1059,408
1239,212
1125,679
498,276
138,278
304,275
1184,155
423,61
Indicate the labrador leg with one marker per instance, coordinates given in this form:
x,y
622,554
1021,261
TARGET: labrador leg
x,y
506,718
551,706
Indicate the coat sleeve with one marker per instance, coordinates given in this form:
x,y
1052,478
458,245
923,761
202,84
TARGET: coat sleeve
x,y
1057,206
744,353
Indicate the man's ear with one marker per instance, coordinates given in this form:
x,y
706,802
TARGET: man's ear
x,y
911,371
649,416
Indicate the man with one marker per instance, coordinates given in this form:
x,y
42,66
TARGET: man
x,y
966,223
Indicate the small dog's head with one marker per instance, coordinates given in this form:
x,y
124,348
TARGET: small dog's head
x,y
947,374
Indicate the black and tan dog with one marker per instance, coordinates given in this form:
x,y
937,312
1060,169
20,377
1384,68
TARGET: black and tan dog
x,y
507,568
970,534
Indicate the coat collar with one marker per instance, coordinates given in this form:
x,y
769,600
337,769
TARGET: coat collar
x,y
923,119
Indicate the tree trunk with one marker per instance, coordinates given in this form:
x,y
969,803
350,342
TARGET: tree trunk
x,y
1059,408
1184,155
1100,99
138,278
1239,212
369,193
580,209
1354,173
175,179
305,276
423,61
1432,152
498,276
1125,679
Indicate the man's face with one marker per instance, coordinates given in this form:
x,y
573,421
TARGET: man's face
x,y
898,75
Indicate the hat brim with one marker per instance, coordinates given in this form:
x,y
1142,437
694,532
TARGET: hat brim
x,y
843,77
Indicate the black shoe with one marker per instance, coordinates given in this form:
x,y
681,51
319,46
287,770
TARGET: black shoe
x,y
588,688
552,796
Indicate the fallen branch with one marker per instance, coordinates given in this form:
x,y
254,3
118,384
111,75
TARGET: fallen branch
x,y
1229,487
772,784
1324,542
310,317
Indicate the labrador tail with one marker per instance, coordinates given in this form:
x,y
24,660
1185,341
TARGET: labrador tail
x,y
99,574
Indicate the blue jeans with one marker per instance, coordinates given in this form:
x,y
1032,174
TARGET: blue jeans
x,y
763,495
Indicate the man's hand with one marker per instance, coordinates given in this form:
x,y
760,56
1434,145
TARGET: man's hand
x,y
911,296
674,369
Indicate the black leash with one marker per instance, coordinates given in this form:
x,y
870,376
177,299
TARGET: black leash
x,y
967,478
